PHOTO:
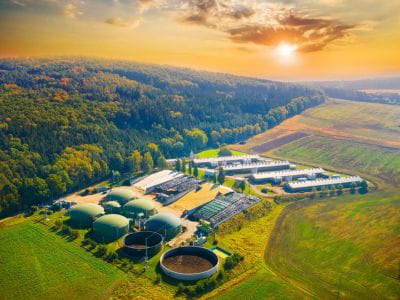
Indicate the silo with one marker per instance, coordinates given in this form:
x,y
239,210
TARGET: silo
x,y
122,196
111,227
167,224
112,207
83,215
135,207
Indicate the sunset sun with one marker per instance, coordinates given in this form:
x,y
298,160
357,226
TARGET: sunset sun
x,y
286,50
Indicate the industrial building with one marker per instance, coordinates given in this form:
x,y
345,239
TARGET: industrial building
x,y
304,186
166,224
150,183
175,189
258,166
121,195
287,175
224,207
110,227
83,215
133,208
225,160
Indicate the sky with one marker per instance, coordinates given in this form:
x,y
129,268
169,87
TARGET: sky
x,y
275,39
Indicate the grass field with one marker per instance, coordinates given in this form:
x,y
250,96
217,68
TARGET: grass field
x,y
370,123
348,246
214,153
39,264
369,160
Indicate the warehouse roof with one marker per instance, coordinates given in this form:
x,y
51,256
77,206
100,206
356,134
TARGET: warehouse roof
x,y
225,158
257,165
274,174
321,182
157,179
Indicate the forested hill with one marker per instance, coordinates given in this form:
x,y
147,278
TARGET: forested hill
x,y
65,123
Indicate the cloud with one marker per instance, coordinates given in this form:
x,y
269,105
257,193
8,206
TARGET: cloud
x,y
265,23
120,22
71,11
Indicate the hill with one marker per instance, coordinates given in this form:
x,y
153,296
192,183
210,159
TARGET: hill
x,y
66,123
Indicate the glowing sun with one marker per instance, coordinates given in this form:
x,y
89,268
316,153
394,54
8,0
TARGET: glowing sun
x,y
286,50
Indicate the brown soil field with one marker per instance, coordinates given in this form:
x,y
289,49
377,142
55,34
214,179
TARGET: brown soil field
x,y
187,263
278,142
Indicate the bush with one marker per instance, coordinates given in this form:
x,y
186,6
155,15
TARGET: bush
x,y
224,152
58,224
74,234
102,250
232,261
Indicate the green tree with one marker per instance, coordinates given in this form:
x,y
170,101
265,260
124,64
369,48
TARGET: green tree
x,y
56,184
221,176
196,171
178,165
195,139
147,164
137,161
190,168
214,178
224,152
242,185
162,162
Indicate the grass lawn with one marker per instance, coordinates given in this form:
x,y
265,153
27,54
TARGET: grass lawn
x,y
42,265
214,153
348,246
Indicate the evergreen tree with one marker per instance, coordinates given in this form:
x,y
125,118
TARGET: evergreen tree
x,y
242,185
183,166
190,168
221,176
196,171
214,178
178,165
161,162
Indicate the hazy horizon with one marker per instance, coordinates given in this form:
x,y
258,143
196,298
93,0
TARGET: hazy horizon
x,y
279,40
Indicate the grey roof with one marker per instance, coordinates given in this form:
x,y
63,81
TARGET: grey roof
x,y
257,165
225,158
274,174
322,182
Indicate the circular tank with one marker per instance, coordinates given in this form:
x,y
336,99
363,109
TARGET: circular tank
x,y
136,243
110,227
122,196
189,263
83,215
134,207
166,224
112,207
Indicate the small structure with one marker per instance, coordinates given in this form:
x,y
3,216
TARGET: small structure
x,y
167,224
143,243
134,207
189,263
111,207
83,215
110,227
121,195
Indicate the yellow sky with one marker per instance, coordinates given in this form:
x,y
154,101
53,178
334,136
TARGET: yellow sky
x,y
333,40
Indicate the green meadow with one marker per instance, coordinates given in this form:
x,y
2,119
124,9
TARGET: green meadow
x,y
367,160
39,264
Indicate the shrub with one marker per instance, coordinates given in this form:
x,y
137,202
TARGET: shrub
x,y
102,250
232,261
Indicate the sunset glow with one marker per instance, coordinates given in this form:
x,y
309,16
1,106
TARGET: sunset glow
x,y
331,39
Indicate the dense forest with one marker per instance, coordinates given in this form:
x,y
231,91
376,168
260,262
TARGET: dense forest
x,y
66,123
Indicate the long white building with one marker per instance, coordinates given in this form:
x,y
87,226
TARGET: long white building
x,y
287,175
149,183
258,166
301,186
223,160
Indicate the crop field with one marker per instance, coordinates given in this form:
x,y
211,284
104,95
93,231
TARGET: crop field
x,y
370,160
42,265
346,247
369,123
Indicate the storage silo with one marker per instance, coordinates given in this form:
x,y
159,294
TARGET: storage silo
x,y
83,215
110,227
167,224
122,196
135,207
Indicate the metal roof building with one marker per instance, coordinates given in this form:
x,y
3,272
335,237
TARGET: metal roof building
x,y
286,175
215,161
308,185
259,166
151,182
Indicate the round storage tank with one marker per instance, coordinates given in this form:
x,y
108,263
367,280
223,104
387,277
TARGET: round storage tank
x,y
167,224
134,207
83,215
110,227
138,243
122,196
112,207
189,263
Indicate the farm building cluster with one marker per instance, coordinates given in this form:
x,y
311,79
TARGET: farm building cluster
x,y
261,171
